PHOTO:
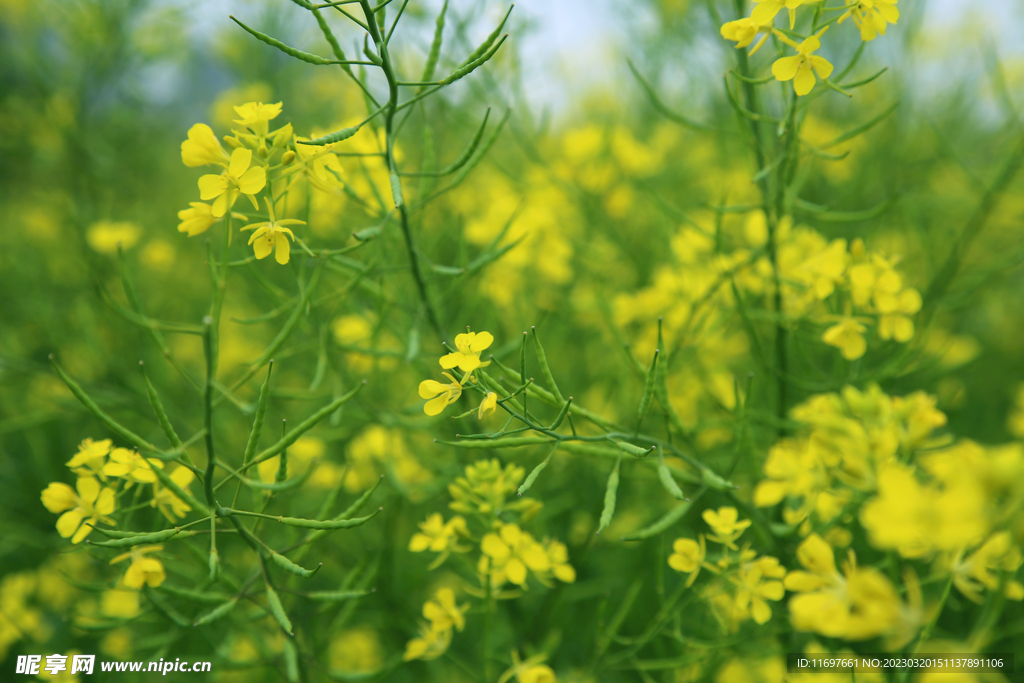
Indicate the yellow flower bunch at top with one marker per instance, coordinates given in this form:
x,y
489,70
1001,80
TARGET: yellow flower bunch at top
x,y
509,553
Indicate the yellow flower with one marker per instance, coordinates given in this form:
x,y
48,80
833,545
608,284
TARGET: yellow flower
x,y
530,670
239,178
256,116
848,336
436,535
981,569
202,148
488,405
753,590
270,236
120,603
895,323
726,525
766,10
106,236
512,551
197,219
90,458
687,557
168,503
440,395
872,17
744,30
558,556
131,466
469,345
801,67
143,570
90,504
443,613
430,644
856,605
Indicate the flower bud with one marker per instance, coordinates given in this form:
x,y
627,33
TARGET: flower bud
x,y
262,151
232,142
288,157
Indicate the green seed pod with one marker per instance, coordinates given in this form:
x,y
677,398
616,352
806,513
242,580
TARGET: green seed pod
x,y
289,566
472,66
649,384
290,51
337,136
361,501
396,190
468,152
213,597
715,481
668,482
139,539
482,48
336,596
327,524
291,662
610,494
339,54
435,46
167,610
633,450
216,613
522,358
561,415
513,442
214,564
277,609
158,409
532,477
370,54
545,369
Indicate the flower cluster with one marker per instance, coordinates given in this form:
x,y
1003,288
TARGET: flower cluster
x,y
870,16
745,582
263,163
507,554
103,471
466,358
442,614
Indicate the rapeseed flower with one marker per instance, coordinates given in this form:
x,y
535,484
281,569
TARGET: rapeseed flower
x,y
801,67
755,586
439,395
256,116
847,335
726,525
765,11
271,236
143,570
82,506
512,551
470,345
438,536
239,178
169,504
443,613
744,30
688,557
197,219
90,458
488,406
202,148
131,467
872,17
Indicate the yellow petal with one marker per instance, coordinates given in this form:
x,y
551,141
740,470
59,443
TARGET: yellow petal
x,y
481,341
429,388
88,489
804,81
822,66
211,186
240,160
451,360
69,522
493,547
106,501
785,68
263,245
765,12
58,497
253,180
436,406
283,249
516,571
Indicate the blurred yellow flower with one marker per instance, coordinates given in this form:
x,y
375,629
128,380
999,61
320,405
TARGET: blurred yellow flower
x,y
256,116
443,613
90,458
196,220
872,16
106,236
848,336
436,535
488,406
131,467
512,551
726,525
744,30
143,570
765,11
169,504
687,557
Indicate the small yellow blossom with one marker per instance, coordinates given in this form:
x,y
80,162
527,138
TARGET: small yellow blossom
x,y
437,536
239,178
895,322
89,504
131,466
256,116
744,30
443,613
558,555
687,557
488,406
430,644
143,570
512,551
169,504
202,148
271,236
439,395
106,236
90,458
196,220
469,345
848,336
766,10
872,17
980,570
726,525
800,68
754,590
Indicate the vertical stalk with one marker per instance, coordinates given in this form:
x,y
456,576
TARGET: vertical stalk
x,y
773,212
389,121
